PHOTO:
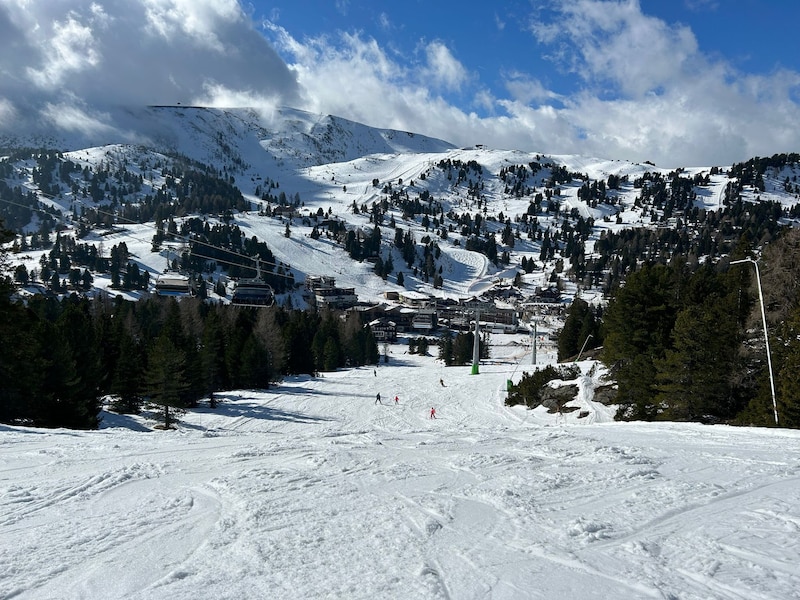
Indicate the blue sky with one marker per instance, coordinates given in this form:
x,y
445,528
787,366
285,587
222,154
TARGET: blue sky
x,y
494,41
677,82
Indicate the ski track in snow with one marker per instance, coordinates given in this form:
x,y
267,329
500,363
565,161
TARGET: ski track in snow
x,y
311,490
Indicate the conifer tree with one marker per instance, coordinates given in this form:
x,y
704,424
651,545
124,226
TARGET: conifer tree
x,y
578,326
446,349
694,379
127,379
254,369
788,382
165,377
638,323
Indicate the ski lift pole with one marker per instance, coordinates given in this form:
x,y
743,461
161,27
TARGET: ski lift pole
x,y
476,351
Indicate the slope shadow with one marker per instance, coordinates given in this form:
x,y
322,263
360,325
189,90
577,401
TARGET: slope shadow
x,y
115,420
241,408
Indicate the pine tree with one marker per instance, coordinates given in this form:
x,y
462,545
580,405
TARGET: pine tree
x,y
254,369
578,326
61,399
694,379
462,348
75,324
788,364
330,355
165,377
212,357
268,330
638,323
127,380
446,349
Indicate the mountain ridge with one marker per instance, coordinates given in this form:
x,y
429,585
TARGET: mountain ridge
x,y
458,199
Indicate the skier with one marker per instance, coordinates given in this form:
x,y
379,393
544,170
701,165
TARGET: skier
x,y
442,382
378,398
433,413
396,400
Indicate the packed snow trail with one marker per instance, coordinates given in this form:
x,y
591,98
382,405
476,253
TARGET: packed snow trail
x,y
310,490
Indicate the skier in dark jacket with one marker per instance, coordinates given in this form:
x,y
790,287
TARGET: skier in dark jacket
x,y
378,398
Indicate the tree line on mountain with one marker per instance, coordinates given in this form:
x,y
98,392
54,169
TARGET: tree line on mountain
x,y
696,235
110,190
60,269
224,246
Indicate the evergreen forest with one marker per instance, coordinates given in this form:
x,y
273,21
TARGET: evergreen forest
x,y
61,357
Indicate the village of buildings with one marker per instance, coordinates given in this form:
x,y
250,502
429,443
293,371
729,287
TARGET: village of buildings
x,y
503,309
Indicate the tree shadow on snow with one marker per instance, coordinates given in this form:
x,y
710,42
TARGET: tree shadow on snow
x,y
237,407
116,420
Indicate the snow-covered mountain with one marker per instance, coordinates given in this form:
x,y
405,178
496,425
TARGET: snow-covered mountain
x,y
450,200
207,134
325,165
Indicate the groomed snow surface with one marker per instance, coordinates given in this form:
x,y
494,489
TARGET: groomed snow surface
x,y
312,490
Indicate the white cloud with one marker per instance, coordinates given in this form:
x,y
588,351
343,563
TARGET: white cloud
x,y
650,93
72,48
8,114
527,90
342,6
614,42
132,53
647,92
644,90
443,70
194,20
74,117
217,95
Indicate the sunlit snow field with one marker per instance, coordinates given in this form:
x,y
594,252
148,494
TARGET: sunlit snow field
x,y
311,490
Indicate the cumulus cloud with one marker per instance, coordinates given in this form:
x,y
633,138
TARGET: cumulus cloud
x,y
62,56
615,43
644,89
650,93
443,70
74,116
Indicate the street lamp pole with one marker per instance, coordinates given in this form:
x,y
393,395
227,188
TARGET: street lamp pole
x,y
766,336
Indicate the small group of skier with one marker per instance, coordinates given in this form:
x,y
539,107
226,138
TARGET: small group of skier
x,y
378,399
431,414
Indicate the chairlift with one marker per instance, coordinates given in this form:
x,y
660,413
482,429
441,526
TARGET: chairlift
x,y
253,291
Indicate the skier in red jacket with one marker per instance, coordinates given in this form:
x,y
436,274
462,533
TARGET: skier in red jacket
x,y
433,413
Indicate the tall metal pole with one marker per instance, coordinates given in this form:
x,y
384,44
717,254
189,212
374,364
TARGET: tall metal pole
x,y
766,336
533,345
476,351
